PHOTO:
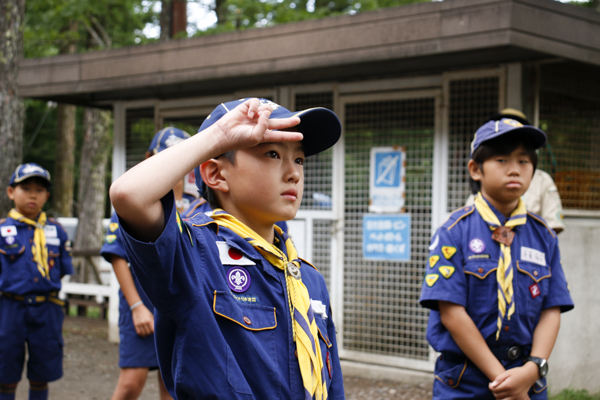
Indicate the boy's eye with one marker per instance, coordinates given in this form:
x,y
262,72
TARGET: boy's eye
x,y
299,161
272,154
524,161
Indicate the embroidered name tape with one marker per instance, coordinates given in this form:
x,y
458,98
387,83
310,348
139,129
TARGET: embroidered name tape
x,y
319,308
533,255
53,241
50,231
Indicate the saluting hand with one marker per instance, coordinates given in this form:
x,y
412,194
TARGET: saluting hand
x,y
248,125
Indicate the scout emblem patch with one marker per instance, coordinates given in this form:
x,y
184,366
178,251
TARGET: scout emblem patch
x,y
9,240
433,260
476,245
232,256
534,290
238,279
110,238
431,279
446,271
448,251
113,226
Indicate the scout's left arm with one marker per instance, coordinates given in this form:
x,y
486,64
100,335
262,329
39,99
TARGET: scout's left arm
x,y
516,382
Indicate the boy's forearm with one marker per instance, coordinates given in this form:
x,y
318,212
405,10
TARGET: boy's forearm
x,y
125,279
468,338
545,333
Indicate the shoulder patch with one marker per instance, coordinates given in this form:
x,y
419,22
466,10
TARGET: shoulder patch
x,y
446,271
433,260
448,251
431,279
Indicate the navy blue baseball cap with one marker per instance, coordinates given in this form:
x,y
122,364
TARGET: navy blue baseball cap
x,y
166,138
494,129
320,127
29,170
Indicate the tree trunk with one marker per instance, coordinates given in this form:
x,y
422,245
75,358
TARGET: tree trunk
x,y
63,178
221,12
97,144
165,20
12,112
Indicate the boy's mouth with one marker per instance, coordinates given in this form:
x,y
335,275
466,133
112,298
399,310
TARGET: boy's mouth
x,y
291,194
514,184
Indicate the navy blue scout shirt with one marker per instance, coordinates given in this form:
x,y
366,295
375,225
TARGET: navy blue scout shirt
x,y
113,244
222,323
462,265
18,271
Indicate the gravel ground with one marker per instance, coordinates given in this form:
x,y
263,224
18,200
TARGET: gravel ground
x,y
91,371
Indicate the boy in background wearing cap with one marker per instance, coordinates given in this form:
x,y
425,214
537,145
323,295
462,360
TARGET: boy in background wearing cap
x,y
238,314
35,253
137,353
494,279
542,197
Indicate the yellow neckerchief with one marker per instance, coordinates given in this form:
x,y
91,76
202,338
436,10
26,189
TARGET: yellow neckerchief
x,y
504,274
304,327
39,249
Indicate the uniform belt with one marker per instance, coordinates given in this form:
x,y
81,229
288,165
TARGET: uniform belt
x,y
35,298
508,352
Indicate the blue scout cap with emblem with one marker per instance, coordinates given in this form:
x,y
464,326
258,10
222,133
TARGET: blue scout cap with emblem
x,y
494,129
29,170
320,127
166,138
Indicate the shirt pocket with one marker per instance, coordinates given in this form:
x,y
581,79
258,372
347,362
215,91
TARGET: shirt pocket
x,y
251,350
325,344
532,286
482,286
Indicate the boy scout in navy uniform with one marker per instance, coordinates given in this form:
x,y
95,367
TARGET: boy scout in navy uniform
x,y
238,314
494,279
35,253
137,354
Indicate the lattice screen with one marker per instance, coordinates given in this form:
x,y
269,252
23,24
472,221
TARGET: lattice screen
x,y
381,310
471,102
139,131
318,171
570,116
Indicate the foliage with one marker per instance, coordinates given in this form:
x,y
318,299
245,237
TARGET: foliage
x,y
571,394
245,14
53,25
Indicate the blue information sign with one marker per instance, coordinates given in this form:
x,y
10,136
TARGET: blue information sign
x,y
386,237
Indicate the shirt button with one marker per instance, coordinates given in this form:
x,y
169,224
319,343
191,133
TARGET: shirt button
x,y
30,240
506,328
480,270
247,321
450,381
535,273
35,279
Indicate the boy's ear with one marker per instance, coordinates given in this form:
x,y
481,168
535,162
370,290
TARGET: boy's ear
x,y
212,176
474,170
10,192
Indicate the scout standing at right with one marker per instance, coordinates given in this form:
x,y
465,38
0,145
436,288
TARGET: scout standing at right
x,y
494,279
35,253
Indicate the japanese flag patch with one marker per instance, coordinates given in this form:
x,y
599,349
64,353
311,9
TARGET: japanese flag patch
x,y
232,256
8,230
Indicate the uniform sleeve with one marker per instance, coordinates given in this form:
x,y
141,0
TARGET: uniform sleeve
x,y
559,295
551,206
113,242
66,261
444,276
169,270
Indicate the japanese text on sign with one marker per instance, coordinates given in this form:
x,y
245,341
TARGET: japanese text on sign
x,y
386,237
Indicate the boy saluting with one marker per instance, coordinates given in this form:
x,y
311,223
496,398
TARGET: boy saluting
x,y
494,279
238,314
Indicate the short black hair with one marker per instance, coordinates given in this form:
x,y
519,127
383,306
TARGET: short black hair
x,y
35,179
501,145
207,192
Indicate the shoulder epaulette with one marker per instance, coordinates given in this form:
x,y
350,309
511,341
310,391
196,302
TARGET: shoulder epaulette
x,y
457,215
55,221
309,263
541,221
